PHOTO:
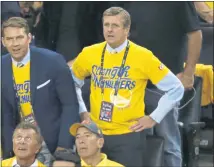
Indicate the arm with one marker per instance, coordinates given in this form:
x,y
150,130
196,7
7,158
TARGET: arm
x,y
8,127
174,91
70,62
80,68
67,95
194,48
84,115
165,80
204,11
190,24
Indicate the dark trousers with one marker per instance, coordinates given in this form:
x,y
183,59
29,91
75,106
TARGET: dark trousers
x,y
126,149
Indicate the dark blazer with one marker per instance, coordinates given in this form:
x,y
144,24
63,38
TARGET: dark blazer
x,y
55,104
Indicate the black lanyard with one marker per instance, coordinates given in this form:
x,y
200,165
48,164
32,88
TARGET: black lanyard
x,y
120,73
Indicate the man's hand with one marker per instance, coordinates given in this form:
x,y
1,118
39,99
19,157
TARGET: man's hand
x,y
209,17
85,116
144,122
186,80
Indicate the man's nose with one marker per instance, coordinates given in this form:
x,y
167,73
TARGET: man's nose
x,y
110,29
15,42
81,140
22,140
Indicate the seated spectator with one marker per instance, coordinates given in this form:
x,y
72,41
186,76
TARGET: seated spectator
x,y
89,142
27,142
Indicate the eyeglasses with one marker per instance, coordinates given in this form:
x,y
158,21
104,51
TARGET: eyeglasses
x,y
20,138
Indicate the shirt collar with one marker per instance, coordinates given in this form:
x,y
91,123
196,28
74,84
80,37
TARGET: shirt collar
x,y
25,60
102,162
118,49
14,164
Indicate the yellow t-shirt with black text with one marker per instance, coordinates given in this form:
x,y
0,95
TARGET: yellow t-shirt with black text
x,y
22,80
140,66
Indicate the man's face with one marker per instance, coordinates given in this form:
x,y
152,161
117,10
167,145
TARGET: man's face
x,y
16,41
87,143
25,144
113,29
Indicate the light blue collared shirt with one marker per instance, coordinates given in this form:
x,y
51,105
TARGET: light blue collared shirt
x,y
25,60
118,49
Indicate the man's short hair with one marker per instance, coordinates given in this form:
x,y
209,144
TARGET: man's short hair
x,y
113,11
15,22
26,125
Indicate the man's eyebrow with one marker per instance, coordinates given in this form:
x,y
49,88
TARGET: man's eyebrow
x,y
14,37
84,133
19,36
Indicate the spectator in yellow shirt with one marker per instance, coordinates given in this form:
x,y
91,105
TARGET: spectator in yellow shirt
x,y
89,142
120,70
27,143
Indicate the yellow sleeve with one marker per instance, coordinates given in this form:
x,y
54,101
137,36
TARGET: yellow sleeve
x,y
81,66
155,69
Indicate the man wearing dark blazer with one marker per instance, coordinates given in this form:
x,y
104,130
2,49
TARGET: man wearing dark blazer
x,y
37,86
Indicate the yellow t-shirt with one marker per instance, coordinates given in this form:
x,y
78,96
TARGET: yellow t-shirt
x,y
9,162
140,66
22,79
104,163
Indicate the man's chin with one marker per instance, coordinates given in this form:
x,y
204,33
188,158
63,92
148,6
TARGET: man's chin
x,y
17,57
21,156
84,155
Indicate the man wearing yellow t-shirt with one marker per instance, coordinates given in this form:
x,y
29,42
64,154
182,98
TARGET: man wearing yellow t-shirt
x,y
89,142
27,142
119,71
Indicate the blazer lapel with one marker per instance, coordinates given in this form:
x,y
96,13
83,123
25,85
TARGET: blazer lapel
x,y
33,75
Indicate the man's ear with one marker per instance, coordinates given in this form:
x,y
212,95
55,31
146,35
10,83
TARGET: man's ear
x,y
128,31
100,142
29,37
2,40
